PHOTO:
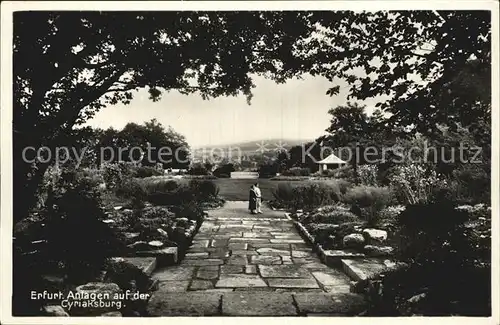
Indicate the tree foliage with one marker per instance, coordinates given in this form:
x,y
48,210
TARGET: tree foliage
x,y
417,62
67,65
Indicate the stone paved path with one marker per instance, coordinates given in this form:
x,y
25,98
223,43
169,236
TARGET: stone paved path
x,y
251,265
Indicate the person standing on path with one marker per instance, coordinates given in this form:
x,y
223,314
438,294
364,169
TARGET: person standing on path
x,y
252,200
258,197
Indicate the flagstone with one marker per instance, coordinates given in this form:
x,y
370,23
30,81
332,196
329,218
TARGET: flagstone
x,y
293,283
255,304
240,280
265,259
283,271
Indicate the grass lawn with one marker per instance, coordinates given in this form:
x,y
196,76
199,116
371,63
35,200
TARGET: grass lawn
x,y
237,189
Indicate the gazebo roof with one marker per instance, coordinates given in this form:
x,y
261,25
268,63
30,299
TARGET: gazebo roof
x,y
332,159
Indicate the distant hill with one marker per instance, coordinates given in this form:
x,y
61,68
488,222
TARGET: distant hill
x,y
250,148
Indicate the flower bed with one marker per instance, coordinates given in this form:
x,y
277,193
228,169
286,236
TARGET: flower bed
x,y
424,273
338,234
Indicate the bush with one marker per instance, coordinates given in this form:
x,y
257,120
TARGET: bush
x,y
332,215
367,175
123,273
345,172
93,176
424,230
284,193
224,171
76,234
447,267
268,170
147,171
164,191
190,210
471,184
131,189
331,236
368,201
415,184
307,196
198,169
388,217
297,171
148,220
204,190
112,175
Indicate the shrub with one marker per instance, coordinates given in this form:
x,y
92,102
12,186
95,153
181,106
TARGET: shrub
x,y
368,201
446,266
75,232
471,184
284,193
93,175
331,236
147,171
415,184
313,195
123,273
148,220
164,191
224,170
198,169
345,172
297,171
335,216
204,190
127,169
309,195
112,174
268,170
388,217
190,210
131,189
424,230
367,175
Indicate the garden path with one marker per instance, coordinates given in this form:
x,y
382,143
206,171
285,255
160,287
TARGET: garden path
x,y
251,265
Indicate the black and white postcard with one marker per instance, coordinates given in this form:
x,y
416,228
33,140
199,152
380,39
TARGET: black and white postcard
x,y
278,159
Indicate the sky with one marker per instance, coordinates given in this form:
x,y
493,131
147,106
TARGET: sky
x,y
296,110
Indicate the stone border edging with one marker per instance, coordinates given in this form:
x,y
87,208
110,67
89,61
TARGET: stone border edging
x,y
330,258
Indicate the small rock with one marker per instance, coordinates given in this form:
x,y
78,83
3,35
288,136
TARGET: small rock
x,y
54,310
139,245
155,243
353,240
108,221
417,298
131,235
376,235
118,208
378,250
162,232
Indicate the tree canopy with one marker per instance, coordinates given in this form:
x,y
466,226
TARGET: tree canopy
x,y
416,62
